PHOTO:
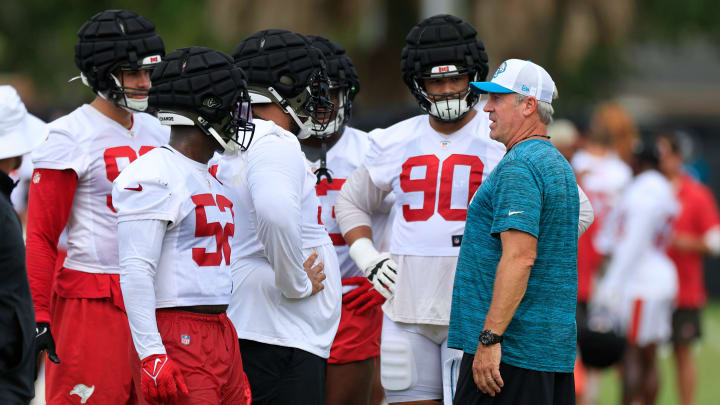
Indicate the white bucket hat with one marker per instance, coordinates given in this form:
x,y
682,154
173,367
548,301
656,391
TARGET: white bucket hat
x,y
20,131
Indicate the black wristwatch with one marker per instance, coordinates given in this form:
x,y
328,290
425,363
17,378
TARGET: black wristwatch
x,y
488,338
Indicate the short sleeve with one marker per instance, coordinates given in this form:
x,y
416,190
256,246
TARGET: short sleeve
x,y
60,151
516,199
139,194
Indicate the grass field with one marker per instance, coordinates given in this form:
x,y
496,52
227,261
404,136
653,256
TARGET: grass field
x,y
707,356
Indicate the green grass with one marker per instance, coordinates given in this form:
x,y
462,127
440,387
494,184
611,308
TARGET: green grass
x,y
707,357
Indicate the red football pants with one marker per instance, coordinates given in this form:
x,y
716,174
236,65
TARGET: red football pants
x,y
357,337
92,339
206,349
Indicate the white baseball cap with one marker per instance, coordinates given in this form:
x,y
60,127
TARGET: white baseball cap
x,y
519,76
20,131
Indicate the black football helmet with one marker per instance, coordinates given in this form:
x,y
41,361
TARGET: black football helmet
x,y
112,40
283,68
343,78
438,47
203,87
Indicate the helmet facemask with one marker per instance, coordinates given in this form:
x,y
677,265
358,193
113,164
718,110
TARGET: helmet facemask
x,y
311,110
341,114
131,99
446,107
234,132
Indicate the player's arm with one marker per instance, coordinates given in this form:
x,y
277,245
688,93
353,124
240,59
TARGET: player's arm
x,y
49,204
275,175
143,218
587,216
358,199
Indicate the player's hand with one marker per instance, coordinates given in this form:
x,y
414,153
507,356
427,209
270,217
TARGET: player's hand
x,y
486,369
315,273
44,341
362,298
161,379
379,268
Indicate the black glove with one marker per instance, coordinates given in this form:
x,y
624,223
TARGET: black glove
x,y
44,341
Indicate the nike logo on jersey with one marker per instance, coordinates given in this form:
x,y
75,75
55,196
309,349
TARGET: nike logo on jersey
x,y
155,366
138,188
515,212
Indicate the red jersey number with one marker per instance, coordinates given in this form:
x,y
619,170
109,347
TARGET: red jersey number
x,y
112,169
203,228
428,185
321,189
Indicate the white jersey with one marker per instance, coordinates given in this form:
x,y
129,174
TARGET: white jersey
x,y
635,235
342,159
274,188
97,148
194,265
603,179
433,176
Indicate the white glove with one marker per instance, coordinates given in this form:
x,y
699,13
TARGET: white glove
x,y
379,268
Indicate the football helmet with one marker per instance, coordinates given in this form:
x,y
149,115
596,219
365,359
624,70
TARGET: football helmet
x,y
112,40
203,87
284,69
343,78
438,47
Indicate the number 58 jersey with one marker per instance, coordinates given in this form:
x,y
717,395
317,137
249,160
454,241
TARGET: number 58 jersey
x,y
433,177
194,265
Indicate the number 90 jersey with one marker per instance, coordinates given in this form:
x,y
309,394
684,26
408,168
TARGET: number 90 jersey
x,y
97,148
194,265
433,176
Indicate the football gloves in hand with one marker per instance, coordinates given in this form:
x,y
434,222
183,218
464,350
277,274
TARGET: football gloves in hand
x,y
44,341
161,379
379,268
362,298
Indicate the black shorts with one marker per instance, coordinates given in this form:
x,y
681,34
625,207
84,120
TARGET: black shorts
x,y
685,325
522,386
283,375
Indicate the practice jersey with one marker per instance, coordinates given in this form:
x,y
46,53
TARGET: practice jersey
x,y
635,235
97,148
603,179
194,266
342,159
274,188
433,177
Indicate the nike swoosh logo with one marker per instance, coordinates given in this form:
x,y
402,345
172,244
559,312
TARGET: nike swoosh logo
x,y
41,332
138,188
515,212
155,366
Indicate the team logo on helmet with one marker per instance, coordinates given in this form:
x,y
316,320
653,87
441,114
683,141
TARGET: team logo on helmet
x,y
211,102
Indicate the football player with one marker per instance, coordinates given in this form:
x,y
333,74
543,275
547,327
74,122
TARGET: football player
x,y
640,283
433,163
286,332
175,226
334,154
72,183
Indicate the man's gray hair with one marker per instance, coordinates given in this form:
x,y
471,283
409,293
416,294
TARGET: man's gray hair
x,y
545,109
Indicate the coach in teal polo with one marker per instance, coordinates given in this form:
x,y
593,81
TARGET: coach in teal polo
x,y
513,307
